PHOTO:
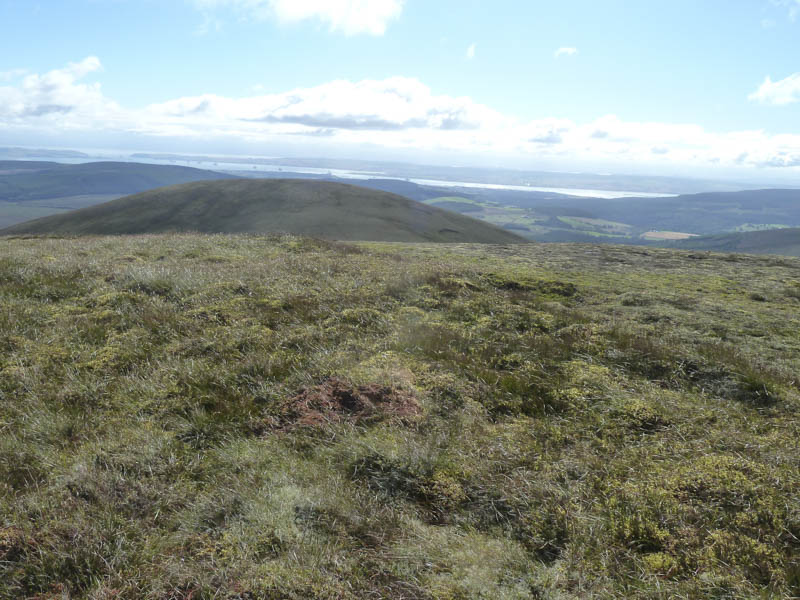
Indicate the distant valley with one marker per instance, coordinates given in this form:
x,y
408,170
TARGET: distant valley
x,y
758,221
769,216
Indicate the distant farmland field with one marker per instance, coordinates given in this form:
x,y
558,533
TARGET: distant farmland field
x,y
667,235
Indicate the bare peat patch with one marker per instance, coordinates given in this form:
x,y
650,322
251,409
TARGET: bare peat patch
x,y
336,401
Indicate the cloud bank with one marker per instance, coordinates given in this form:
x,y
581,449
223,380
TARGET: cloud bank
x,y
397,113
350,17
781,92
46,100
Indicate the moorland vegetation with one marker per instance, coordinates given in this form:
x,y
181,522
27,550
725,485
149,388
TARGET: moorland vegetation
x,y
208,416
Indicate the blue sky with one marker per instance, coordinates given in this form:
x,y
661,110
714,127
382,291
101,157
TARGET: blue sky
x,y
659,86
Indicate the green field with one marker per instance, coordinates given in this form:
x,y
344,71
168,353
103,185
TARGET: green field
x,y
444,200
534,223
515,218
597,225
240,417
758,227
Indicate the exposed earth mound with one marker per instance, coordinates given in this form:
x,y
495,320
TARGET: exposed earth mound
x,y
336,401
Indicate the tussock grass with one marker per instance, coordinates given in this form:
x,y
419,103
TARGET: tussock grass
x,y
594,422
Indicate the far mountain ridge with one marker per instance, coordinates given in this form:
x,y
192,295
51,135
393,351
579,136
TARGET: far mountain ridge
x,y
772,241
29,180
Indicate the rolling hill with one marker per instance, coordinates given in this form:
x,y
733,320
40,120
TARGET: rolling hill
x,y
708,213
315,208
37,181
33,189
771,241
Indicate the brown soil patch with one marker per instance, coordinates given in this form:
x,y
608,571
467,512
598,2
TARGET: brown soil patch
x,y
336,401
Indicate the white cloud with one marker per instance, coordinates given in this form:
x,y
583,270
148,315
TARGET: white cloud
x,y
54,95
350,17
387,105
793,6
784,91
565,51
547,131
471,51
394,113
12,74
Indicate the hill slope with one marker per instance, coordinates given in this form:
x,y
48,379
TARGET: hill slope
x,y
315,208
12,167
770,241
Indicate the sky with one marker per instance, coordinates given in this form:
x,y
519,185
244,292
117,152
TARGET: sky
x,y
656,86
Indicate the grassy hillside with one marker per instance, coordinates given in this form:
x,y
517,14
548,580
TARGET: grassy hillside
x,y
316,208
771,241
193,416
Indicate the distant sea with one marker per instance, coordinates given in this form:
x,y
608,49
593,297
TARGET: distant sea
x,y
361,175
348,174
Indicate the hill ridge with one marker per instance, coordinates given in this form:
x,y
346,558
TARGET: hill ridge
x,y
36,181
304,207
785,241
